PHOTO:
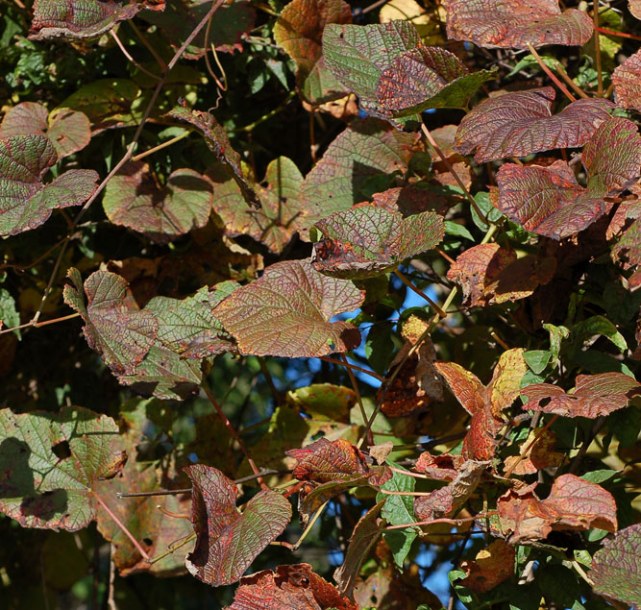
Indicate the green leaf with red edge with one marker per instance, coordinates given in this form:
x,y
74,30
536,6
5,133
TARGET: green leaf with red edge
x,y
616,567
287,311
593,396
365,150
549,201
427,77
50,463
218,142
573,504
282,210
512,24
367,240
82,18
325,461
625,79
134,200
227,541
517,124
298,30
68,130
358,55
293,587
26,201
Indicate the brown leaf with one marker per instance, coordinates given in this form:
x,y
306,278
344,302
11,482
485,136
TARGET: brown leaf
x,y
444,467
536,453
294,587
490,568
573,504
594,395
325,461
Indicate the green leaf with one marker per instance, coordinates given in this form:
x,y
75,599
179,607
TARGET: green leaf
x,y
537,360
9,315
50,463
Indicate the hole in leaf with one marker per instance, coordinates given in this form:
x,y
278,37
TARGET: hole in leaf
x,y
545,402
61,450
148,541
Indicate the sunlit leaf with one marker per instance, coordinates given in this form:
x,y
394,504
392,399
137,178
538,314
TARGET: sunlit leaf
x,y
325,461
134,200
515,23
228,541
490,567
287,311
520,123
49,465
626,82
634,6
616,567
368,240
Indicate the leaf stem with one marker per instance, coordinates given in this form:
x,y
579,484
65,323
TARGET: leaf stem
x,y
309,526
155,149
359,398
455,522
128,55
565,76
420,293
354,367
597,47
33,324
550,74
609,32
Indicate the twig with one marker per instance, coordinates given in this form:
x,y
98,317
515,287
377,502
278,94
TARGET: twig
x,y
359,399
33,324
420,293
550,74
354,367
608,32
155,149
126,53
597,47
564,75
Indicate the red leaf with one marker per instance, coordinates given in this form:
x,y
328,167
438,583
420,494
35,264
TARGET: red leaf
x,y
594,395
325,461
515,23
573,504
626,79
444,467
227,541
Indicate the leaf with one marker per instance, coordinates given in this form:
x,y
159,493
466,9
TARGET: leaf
x,y
293,587
358,54
218,142
444,467
365,150
548,200
634,6
299,29
50,463
490,274
26,201
573,504
515,23
427,77
517,124
325,461
594,395
134,200
366,240
227,541
489,568
82,18
625,79
615,567
287,311
68,130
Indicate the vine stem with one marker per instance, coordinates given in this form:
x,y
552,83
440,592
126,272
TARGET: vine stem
x,y
550,74
39,324
359,398
564,75
354,367
420,293
455,522
609,32
155,149
597,47
126,53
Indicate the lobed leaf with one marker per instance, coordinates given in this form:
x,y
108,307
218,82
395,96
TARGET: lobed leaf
x,y
50,464
616,567
287,311
134,200
515,23
227,541
26,201
517,124
593,396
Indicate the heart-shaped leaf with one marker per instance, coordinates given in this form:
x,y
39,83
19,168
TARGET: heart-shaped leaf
x,y
227,541
520,123
287,311
132,199
50,463
515,23
367,240
26,201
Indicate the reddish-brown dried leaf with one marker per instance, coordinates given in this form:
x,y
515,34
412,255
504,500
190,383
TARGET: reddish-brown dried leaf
x,y
520,123
227,541
537,452
594,395
573,504
626,79
490,568
444,467
294,587
515,23
325,461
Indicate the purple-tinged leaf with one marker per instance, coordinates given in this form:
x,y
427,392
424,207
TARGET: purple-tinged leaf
x,y
427,77
50,463
26,201
227,541
82,18
616,568
515,23
68,130
366,241
626,79
133,199
594,395
520,123
287,311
